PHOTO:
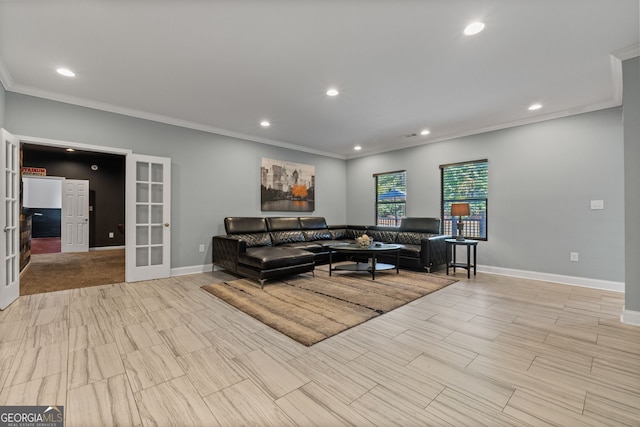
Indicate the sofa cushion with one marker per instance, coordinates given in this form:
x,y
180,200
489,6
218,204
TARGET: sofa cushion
x,y
267,258
410,251
338,233
412,238
326,244
244,225
283,237
307,246
283,223
255,239
422,225
354,233
386,236
313,235
313,223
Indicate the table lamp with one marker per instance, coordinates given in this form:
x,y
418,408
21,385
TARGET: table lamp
x,y
460,210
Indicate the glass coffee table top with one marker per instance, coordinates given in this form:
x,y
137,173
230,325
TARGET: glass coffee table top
x,y
371,265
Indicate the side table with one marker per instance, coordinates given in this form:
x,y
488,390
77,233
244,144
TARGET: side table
x,y
451,245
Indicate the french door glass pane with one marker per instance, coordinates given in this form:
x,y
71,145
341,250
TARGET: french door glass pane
x,y
156,193
142,235
156,172
156,214
156,235
142,214
156,255
142,257
142,192
142,171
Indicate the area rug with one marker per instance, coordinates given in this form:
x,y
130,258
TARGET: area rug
x,y
310,309
62,271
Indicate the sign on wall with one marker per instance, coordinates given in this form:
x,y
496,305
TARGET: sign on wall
x,y
34,171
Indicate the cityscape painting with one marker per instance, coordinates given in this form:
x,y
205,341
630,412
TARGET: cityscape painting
x,y
287,186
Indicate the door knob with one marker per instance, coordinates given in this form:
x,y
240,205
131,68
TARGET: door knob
x,y
166,224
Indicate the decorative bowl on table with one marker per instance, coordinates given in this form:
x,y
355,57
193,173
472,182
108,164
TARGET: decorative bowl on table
x,y
364,241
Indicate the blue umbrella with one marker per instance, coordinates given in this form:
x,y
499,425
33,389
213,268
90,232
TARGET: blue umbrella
x,y
392,194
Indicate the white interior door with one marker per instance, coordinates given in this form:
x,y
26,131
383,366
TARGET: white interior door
x,y
74,232
10,220
148,217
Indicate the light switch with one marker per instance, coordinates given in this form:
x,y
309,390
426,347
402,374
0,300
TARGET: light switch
x,y
597,204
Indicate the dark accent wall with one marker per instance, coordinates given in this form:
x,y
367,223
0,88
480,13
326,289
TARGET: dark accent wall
x,y
44,222
106,186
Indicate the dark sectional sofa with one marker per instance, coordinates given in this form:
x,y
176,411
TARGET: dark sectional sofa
x,y
265,248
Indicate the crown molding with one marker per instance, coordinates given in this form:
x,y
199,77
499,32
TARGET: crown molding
x,y
70,144
506,125
627,52
24,90
5,76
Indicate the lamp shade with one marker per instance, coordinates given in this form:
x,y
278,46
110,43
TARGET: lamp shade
x,y
460,209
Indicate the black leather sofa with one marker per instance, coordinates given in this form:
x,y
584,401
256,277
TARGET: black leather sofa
x,y
265,248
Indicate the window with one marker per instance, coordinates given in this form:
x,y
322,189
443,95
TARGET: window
x,y
391,198
465,183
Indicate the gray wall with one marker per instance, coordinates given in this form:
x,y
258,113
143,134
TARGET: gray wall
x,y
213,176
541,176
2,105
541,180
631,100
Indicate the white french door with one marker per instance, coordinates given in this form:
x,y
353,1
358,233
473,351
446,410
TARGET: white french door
x,y
74,233
10,220
148,217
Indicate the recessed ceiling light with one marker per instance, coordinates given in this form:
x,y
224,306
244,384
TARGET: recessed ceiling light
x,y
535,107
473,28
70,150
332,92
66,72
357,148
265,124
425,132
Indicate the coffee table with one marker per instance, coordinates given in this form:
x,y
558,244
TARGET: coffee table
x,y
371,251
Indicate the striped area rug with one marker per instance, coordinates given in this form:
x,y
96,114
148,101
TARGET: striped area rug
x,y
310,309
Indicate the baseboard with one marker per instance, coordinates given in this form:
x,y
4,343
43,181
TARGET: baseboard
x,y
630,317
523,274
556,278
194,269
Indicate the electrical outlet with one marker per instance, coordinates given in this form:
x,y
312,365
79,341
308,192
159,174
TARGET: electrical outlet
x,y
573,256
201,248
111,234
597,204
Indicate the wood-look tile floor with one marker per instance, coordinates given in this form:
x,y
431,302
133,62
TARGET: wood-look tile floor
x,y
492,350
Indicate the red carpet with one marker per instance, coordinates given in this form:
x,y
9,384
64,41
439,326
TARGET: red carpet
x,y
45,245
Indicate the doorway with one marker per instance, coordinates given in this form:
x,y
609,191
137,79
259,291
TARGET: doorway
x,y
42,203
104,194
147,211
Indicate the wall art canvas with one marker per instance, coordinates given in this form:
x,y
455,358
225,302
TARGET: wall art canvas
x,y
287,186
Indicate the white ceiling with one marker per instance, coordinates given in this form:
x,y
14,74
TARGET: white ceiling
x,y
400,65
